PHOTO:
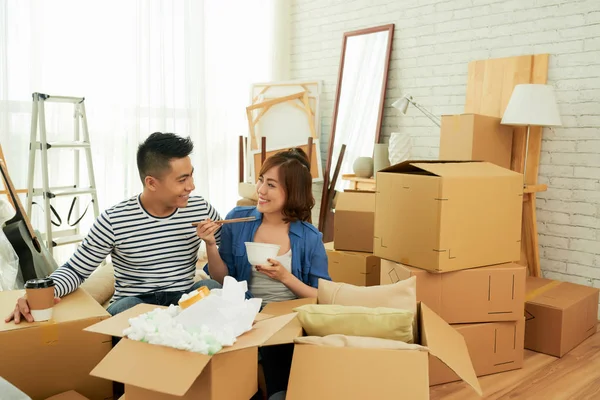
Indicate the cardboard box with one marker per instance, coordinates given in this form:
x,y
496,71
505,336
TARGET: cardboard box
x,y
486,294
355,268
293,329
447,216
47,358
157,372
476,137
356,373
494,347
559,315
354,221
70,395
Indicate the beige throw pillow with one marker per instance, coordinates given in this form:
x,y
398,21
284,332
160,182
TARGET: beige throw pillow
x,y
358,342
379,322
401,295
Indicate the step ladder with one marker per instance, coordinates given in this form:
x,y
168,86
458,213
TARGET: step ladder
x,y
41,143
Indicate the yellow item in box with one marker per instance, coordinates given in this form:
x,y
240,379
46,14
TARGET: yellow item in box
x,y
190,298
379,322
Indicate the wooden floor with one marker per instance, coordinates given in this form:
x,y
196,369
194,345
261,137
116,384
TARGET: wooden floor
x,y
575,376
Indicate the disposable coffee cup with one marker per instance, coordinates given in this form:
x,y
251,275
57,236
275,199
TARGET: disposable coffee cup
x,y
40,297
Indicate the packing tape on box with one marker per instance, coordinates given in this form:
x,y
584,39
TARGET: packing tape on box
x,y
49,333
541,290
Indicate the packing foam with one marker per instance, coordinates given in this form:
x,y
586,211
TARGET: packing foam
x,y
160,327
204,327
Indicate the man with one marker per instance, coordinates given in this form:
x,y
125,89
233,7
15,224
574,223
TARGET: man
x,y
150,237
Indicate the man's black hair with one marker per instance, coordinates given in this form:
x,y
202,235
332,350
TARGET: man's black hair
x,y
155,153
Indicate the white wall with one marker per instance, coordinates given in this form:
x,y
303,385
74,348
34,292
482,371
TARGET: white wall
x,y
433,43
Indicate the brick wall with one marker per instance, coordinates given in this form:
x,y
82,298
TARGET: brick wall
x,y
433,43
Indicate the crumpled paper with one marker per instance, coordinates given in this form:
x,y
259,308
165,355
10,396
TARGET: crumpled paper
x,y
226,312
204,327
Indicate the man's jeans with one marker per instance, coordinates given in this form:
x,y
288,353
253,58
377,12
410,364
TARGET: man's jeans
x,y
157,298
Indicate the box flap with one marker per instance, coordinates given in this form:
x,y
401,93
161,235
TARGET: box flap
x,y
70,395
409,166
260,333
286,307
465,169
136,363
448,345
76,306
114,326
355,201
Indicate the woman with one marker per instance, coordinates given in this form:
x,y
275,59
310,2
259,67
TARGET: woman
x,y
283,213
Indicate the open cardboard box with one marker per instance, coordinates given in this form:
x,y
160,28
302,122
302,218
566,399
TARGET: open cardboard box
x,y
43,359
152,372
447,215
355,373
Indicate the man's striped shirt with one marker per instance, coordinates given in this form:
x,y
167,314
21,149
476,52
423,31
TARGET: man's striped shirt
x,y
149,254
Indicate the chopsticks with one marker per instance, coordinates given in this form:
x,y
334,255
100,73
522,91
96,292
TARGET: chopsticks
x,y
230,221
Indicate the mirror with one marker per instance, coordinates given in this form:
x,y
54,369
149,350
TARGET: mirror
x,y
358,109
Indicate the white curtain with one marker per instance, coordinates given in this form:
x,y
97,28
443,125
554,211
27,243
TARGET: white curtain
x,y
142,66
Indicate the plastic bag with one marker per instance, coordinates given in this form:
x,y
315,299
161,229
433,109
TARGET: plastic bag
x,y
9,261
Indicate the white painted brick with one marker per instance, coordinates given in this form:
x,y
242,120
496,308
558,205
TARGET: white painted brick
x,y
591,44
585,220
585,271
576,257
567,206
581,32
553,241
590,196
553,217
553,265
572,231
573,183
557,170
571,7
583,58
587,172
589,246
559,194
558,145
578,280
589,146
589,120
577,84
592,18
576,159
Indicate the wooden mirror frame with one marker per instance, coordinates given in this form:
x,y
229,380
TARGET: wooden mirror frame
x,y
325,208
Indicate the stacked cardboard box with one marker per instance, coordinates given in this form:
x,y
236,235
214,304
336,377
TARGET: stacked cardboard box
x,y
44,359
350,256
457,227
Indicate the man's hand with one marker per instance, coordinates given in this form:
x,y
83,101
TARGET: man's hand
x,y
22,310
206,231
274,271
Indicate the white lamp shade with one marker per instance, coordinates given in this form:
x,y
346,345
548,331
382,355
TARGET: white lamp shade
x,y
533,105
401,104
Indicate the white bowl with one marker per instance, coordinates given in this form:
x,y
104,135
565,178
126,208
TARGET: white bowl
x,y
258,253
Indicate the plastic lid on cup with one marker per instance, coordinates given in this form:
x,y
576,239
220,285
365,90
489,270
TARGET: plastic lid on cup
x,y
39,283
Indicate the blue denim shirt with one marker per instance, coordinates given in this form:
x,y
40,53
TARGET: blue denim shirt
x,y
309,259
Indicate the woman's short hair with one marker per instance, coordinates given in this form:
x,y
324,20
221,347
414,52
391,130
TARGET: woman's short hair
x,y
295,176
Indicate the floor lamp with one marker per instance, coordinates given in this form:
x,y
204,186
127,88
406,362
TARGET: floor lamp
x,y
531,105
